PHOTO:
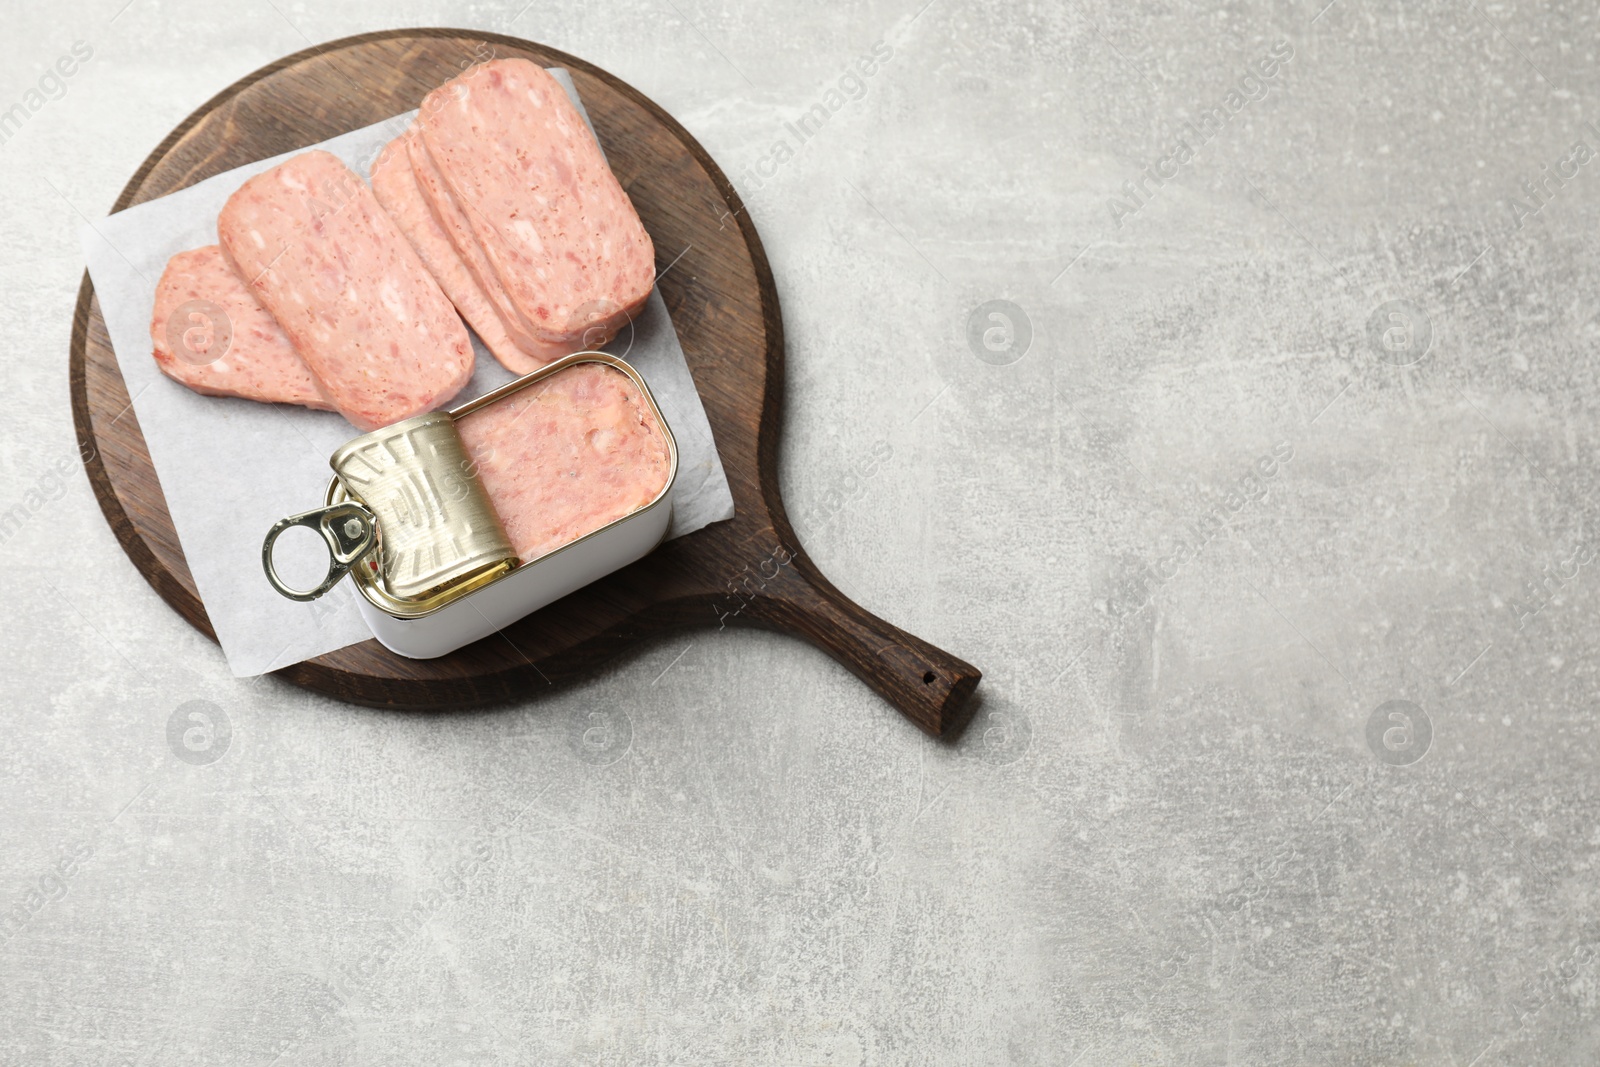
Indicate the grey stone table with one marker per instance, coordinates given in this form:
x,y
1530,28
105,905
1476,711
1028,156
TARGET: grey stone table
x,y
1219,380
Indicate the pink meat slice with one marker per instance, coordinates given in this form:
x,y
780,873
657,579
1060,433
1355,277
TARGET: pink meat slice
x,y
452,220
347,287
554,224
567,455
447,215
210,333
395,185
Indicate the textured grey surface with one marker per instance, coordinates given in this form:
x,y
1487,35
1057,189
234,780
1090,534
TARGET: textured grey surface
x,y
1181,831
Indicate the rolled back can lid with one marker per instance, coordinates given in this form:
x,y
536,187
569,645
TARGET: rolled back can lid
x,y
438,529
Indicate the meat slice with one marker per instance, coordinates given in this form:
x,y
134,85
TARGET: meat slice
x,y
210,333
347,287
395,186
394,183
555,226
567,455
453,221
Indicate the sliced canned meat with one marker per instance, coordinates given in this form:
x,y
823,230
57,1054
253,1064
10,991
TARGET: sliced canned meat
x,y
565,456
347,287
210,333
453,221
554,224
395,184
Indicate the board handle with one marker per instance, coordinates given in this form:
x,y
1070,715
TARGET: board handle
x,y
926,684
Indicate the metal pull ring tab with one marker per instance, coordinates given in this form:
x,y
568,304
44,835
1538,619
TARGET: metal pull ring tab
x,y
350,531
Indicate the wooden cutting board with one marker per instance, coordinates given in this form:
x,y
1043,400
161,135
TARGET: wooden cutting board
x,y
748,571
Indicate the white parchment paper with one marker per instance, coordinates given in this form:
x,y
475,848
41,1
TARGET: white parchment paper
x,y
231,468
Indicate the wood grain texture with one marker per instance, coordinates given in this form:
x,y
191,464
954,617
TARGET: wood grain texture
x,y
747,571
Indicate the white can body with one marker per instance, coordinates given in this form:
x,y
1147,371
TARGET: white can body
x,y
526,589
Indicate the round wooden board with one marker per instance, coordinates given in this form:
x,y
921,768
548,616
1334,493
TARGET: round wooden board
x,y
749,570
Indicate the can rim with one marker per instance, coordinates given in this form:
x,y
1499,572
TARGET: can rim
x,y
401,610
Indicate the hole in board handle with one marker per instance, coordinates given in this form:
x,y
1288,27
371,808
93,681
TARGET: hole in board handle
x,y
928,677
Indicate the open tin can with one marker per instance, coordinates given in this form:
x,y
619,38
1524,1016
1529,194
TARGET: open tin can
x,y
408,519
